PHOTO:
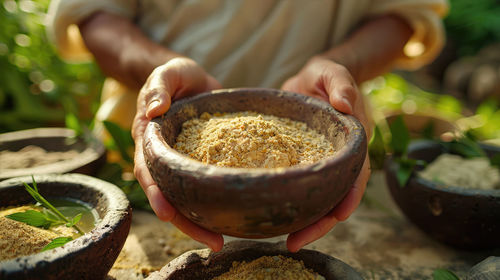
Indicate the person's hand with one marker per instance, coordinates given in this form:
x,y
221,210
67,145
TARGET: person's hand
x,y
331,82
178,78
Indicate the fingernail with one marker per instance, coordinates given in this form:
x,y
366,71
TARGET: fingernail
x,y
348,104
153,105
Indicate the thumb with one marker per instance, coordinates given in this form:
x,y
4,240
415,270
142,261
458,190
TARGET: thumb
x,y
157,102
343,97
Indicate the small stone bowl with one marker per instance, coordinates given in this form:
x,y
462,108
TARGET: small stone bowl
x,y
205,264
89,256
255,202
463,218
91,151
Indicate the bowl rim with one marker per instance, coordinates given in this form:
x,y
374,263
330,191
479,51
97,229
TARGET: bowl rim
x,y
176,160
419,182
334,267
91,144
117,203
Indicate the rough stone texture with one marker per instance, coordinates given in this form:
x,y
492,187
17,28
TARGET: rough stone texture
x,y
91,151
204,264
465,218
87,257
255,203
377,241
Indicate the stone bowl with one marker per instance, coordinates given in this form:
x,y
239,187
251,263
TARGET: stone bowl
x,y
463,218
205,264
89,256
91,151
255,202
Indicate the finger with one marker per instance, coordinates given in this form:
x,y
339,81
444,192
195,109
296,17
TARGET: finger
x,y
162,208
212,84
213,240
353,198
299,239
157,102
342,91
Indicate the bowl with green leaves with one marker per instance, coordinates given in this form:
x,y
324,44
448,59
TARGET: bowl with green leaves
x,y
61,226
449,189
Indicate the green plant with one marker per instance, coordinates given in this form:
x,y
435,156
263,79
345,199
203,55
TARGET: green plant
x,y
37,88
400,139
52,217
116,172
444,274
473,24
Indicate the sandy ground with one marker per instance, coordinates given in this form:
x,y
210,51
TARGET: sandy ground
x,y
376,240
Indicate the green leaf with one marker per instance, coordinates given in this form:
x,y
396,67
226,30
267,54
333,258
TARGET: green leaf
x,y
57,242
31,217
123,139
444,274
75,220
495,160
405,167
428,131
400,136
376,149
464,146
72,122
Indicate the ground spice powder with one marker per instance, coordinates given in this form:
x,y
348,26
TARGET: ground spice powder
x,y
270,267
32,156
19,239
251,140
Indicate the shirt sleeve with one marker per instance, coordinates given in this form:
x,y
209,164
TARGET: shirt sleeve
x,y
425,18
64,15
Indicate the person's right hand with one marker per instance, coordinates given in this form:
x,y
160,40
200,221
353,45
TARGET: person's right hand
x,y
178,78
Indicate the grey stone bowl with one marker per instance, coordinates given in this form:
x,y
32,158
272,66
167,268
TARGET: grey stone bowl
x,y
205,264
253,202
92,153
90,256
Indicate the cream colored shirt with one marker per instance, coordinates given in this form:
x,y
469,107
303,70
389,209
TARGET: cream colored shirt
x,y
247,43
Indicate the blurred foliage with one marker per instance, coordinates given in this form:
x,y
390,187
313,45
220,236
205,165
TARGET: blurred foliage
x,y
391,94
120,164
37,88
473,24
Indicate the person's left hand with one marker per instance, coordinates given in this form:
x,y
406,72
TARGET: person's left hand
x,y
331,82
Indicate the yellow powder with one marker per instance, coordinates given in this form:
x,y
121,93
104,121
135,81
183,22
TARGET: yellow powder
x,y
270,267
19,239
31,156
251,140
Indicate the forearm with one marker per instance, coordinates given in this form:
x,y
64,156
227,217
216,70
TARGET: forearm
x,y
372,48
120,48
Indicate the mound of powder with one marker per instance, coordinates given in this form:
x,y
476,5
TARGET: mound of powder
x,y
251,140
270,267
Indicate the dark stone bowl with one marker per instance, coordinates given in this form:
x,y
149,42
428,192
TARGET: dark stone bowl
x,y
90,256
92,153
205,264
258,202
463,218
